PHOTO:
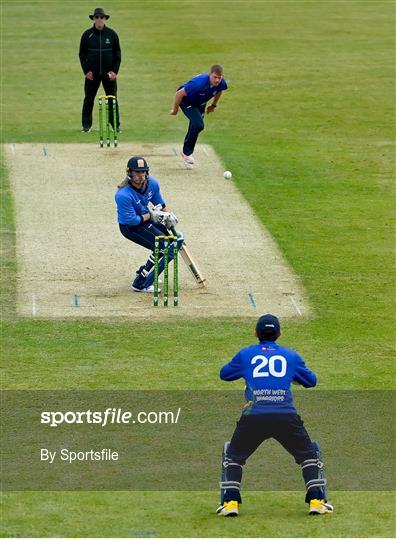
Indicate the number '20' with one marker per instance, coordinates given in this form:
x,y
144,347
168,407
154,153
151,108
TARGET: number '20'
x,y
274,365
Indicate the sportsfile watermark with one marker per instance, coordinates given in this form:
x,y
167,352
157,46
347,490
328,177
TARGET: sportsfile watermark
x,y
111,415
173,440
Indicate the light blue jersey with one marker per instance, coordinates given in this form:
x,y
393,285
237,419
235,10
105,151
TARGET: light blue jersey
x,y
133,203
268,370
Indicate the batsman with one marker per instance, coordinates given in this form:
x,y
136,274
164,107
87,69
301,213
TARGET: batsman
x,y
268,370
143,215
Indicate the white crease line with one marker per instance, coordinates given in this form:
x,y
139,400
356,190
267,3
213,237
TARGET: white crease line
x,y
251,299
12,146
34,307
205,151
296,306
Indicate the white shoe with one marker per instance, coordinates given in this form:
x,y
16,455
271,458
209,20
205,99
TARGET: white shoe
x,y
145,289
189,159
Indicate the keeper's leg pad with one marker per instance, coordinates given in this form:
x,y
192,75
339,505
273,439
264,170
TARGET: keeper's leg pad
x,y
231,477
314,475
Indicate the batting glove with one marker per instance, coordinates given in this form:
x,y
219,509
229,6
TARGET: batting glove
x,y
171,221
156,215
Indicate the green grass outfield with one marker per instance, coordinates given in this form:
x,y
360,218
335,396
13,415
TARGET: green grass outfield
x,y
307,129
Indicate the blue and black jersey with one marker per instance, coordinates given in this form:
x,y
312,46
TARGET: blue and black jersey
x,y
269,369
133,203
199,90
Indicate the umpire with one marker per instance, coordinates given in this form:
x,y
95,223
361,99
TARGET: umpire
x,y
100,58
268,370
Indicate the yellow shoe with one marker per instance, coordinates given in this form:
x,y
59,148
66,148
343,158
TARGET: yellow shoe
x,y
228,509
317,506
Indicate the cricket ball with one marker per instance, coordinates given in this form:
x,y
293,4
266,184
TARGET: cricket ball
x,y
227,175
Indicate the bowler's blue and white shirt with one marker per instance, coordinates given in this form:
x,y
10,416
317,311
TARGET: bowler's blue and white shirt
x,y
199,90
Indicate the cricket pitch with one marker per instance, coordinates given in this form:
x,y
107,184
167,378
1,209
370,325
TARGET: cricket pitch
x,y
74,262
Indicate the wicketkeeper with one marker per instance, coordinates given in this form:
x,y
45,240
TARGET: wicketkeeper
x,y
140,223
268,370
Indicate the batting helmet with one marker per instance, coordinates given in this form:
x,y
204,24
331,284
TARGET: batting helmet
x,y
137,164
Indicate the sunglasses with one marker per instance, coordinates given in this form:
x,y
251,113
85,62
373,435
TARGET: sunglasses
x,y
99,17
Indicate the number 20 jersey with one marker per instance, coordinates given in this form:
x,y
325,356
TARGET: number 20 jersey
x,y
268,370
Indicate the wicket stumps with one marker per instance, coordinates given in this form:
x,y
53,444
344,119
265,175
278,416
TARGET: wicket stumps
x,y
168,241
107,120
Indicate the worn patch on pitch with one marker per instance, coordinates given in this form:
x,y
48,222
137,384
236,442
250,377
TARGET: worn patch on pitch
x,y
73,261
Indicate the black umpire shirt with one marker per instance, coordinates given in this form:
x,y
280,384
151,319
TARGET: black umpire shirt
x,y
100,51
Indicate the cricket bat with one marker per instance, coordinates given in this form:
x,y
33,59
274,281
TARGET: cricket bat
x,y
191,265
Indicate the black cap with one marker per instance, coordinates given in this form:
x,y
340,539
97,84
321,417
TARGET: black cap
x,y
268,324
99,11
138,164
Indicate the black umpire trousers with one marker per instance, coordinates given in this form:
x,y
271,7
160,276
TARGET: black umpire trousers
x,y
91,89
